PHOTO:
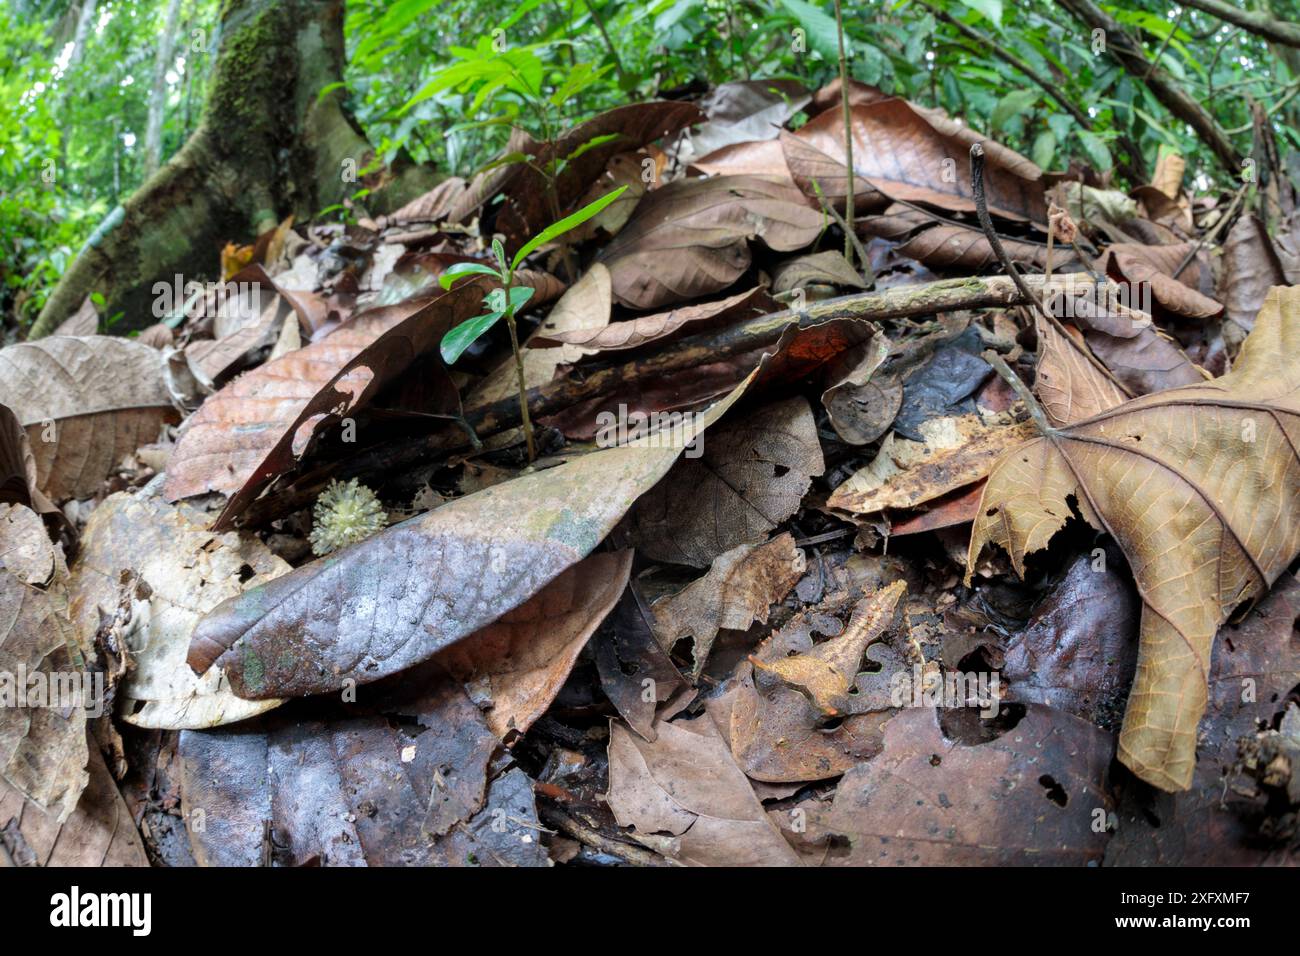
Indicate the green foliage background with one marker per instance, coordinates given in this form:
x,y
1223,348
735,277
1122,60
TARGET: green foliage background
x,y
444,80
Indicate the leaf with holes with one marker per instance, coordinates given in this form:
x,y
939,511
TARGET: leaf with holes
x,y
1200,487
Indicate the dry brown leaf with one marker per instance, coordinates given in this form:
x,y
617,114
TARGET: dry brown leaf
x,y
43,750
86,403
1025,798
99,832
1187,295
690,238
906,152
936,473
1250,268
686,784
517,664
1200,487
186,570
946,245
738,589
749,477
257,427
660,327
1068,385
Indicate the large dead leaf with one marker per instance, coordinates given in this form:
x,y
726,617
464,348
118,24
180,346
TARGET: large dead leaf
x,y
947,245
178,571
398,597
1186,295
738,590
516,665
1026,798
43,697
1200,486
1254,672
402,781
99,832
658,328
86,403
909,153
686,784
750,476
690,238
259,425
1250,268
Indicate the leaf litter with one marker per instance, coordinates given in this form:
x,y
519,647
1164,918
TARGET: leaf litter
x,y
828,591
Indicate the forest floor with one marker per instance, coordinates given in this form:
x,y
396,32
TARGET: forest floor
x,y
968,540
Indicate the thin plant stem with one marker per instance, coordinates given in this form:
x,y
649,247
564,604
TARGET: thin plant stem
x,y
848,136
525,421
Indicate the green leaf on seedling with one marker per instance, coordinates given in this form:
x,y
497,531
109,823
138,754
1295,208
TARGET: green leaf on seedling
x,y
500,252
565,224
455,342
462,269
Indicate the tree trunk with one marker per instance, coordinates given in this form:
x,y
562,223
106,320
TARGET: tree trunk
x,y
268,145
158,92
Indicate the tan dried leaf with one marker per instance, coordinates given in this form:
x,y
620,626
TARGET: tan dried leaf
x,y
1200,487
738,590
86,402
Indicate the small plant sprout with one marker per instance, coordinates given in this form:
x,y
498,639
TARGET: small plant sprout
x,y
345,512
508,300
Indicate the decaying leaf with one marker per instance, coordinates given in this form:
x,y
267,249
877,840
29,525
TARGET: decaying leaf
x,y
690,238
1025,798
738,589
661,327
86,403
945,244
44,696
98,832
686,785
751,476
179,571
516,665
1154,266
910,153
438,577
1200,486
403,780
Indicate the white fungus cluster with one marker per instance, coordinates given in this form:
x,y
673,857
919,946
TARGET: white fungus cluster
x,y
345,512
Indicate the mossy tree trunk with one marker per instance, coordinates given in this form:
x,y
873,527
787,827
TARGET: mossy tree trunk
x,y
269,145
